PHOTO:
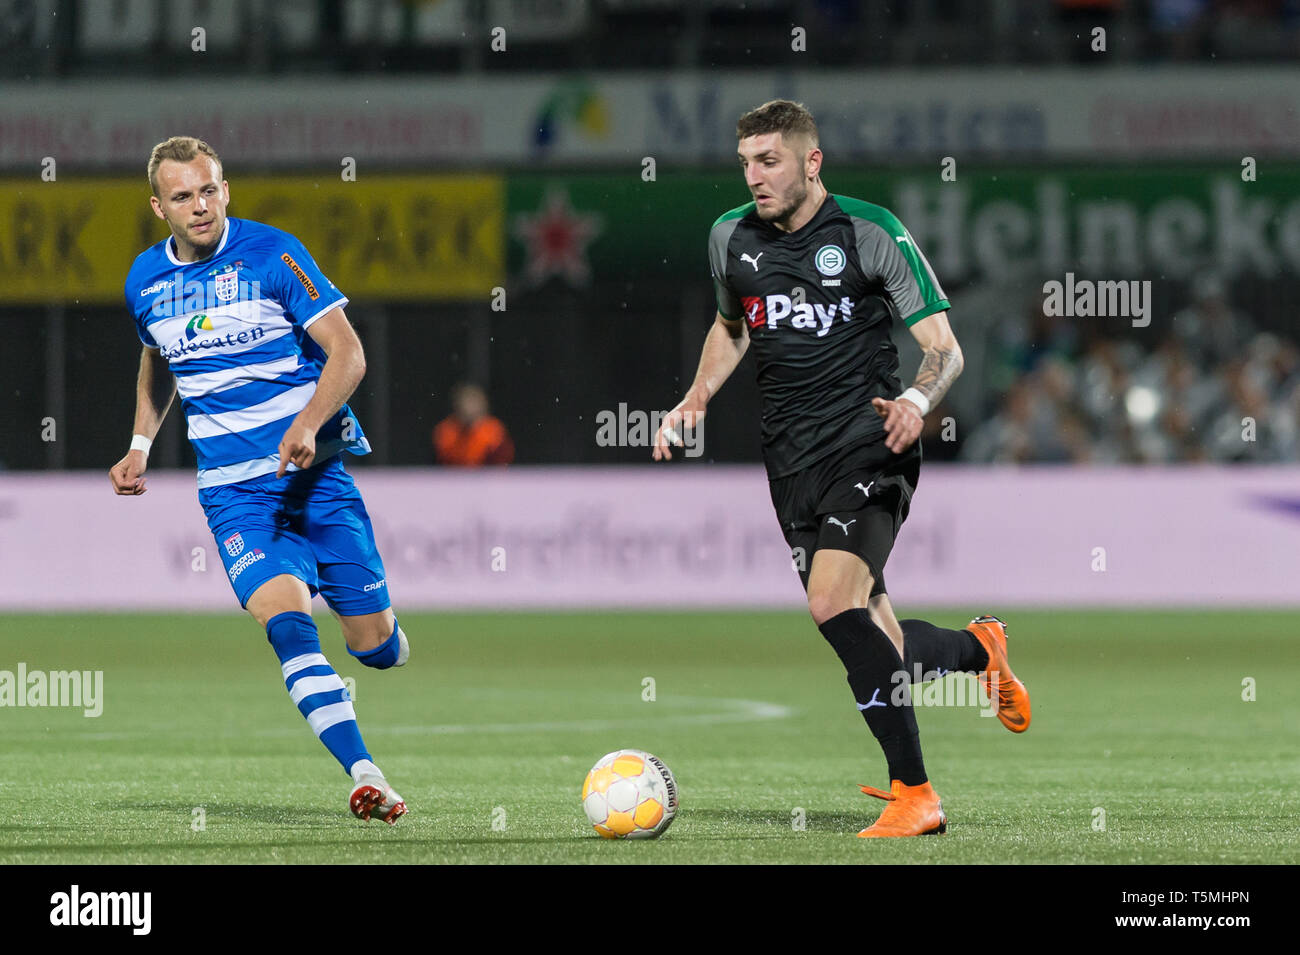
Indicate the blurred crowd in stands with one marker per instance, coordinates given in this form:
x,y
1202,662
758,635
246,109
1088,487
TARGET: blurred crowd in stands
x,y
1210,387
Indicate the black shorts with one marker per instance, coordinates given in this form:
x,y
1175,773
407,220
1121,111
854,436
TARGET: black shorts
x,y
854,499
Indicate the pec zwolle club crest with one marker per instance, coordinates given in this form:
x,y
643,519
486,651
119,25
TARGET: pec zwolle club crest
x,y
227,286
235,544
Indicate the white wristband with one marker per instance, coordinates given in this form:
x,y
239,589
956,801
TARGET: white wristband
x,y
921,401
140,443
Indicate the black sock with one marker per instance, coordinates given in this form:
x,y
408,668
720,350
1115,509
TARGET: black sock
x,y
933,649
885,702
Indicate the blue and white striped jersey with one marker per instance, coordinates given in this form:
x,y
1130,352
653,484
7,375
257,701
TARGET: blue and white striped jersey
x,y
233,328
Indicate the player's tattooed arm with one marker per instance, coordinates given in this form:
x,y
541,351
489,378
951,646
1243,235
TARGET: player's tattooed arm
x,y
940,366
942,359
939,369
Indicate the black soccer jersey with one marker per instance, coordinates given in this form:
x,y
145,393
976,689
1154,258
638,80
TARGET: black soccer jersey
x,y
819,303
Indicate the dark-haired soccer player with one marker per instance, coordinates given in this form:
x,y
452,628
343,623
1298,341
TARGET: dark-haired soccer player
x,y
237,317
812,282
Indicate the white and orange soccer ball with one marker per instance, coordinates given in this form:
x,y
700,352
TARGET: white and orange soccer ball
x,y
630,794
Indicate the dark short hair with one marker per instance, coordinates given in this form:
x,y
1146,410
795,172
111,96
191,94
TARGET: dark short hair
x,y
778,116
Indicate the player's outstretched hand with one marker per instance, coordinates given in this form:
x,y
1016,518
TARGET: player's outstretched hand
x,y
298,446
689,413
127,475
903,423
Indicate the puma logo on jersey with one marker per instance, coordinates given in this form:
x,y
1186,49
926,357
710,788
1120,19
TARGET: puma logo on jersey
x,y
752,260
865,490
770,310
841,525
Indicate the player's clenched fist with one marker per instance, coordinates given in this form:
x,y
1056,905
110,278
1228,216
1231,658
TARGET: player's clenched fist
x,y
127,475
297,447
903,422
688,414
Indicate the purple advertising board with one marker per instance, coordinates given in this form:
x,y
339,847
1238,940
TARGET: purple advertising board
x,y
690,536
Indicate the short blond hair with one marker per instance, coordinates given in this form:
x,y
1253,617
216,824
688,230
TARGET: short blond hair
x,y
179,149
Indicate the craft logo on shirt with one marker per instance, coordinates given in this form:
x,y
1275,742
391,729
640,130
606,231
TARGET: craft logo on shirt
x,y
287,259
159,286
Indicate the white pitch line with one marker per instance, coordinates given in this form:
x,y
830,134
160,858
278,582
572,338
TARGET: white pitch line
x,y
743,711
737,711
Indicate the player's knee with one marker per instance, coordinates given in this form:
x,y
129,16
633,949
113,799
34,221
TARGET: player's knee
x,y
825,604
830,600
368,631
387,651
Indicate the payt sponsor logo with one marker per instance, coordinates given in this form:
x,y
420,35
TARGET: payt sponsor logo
x,y
755,312
771,310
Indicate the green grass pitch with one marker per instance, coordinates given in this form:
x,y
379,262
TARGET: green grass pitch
x,y
498,717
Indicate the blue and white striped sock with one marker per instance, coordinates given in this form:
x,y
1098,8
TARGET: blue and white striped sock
x,y
315,688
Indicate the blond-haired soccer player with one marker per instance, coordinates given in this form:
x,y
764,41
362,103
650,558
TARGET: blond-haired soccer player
x,y
264,360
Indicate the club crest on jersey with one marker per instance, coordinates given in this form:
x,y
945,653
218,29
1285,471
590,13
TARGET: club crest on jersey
x,y
830,260
226,287
235,544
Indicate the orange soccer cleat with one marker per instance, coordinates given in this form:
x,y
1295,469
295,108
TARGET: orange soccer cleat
x,y
997,679
911,811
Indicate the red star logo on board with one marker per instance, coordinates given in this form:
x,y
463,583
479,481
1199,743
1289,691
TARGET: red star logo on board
x,y
557,237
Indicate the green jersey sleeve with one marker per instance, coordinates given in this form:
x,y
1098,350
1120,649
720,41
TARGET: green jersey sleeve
x,y
890,255
719,238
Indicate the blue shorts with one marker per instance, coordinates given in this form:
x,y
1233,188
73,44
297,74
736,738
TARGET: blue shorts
x,y
311,524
